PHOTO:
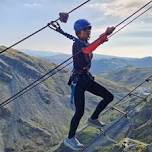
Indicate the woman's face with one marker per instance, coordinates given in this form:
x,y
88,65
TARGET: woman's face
x,y
85,33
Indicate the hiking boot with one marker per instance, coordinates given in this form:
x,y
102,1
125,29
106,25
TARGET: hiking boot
x,y
96,123
73,144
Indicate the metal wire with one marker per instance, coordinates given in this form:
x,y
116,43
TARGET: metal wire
x,y
12,98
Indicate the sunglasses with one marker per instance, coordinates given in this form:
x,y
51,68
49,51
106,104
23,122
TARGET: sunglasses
x,y
87,28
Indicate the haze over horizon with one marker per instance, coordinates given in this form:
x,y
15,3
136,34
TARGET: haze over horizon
x,y
28,51
20,18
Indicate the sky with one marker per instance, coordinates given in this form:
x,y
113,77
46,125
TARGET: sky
x,y
19,18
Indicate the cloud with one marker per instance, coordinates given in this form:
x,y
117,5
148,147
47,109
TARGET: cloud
x,y
118,8
31,5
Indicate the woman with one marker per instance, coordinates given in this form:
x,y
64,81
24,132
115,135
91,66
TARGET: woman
x,y
84,81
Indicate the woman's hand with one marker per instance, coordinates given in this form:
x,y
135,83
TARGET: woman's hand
x,y
110,30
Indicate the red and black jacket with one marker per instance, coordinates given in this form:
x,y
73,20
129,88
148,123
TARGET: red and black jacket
x,y
82,60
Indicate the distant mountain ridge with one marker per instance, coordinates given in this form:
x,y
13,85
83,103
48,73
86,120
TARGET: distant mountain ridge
x,y
43,54
113,64
100,64
129,75
103,63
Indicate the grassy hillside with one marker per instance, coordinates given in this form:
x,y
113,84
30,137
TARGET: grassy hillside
x,y
142,124
136,146
129,75
116,63
139,137
39,119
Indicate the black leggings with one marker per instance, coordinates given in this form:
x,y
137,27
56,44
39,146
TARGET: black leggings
x,y
85,83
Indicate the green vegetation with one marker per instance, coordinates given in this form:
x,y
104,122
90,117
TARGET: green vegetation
x,y
130,75
44,111
88,134
138,147
104,149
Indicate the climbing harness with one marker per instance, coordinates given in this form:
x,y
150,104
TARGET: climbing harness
x,y
73,80
56,27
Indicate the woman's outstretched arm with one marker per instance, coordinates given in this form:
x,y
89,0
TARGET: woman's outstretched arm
x,y
103,38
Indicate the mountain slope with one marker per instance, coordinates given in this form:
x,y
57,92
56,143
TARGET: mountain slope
x,y
38,120
38,117
116,63
137,128
142,124
129,75
103,64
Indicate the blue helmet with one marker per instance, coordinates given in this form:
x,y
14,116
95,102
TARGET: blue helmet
x,y
81,24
